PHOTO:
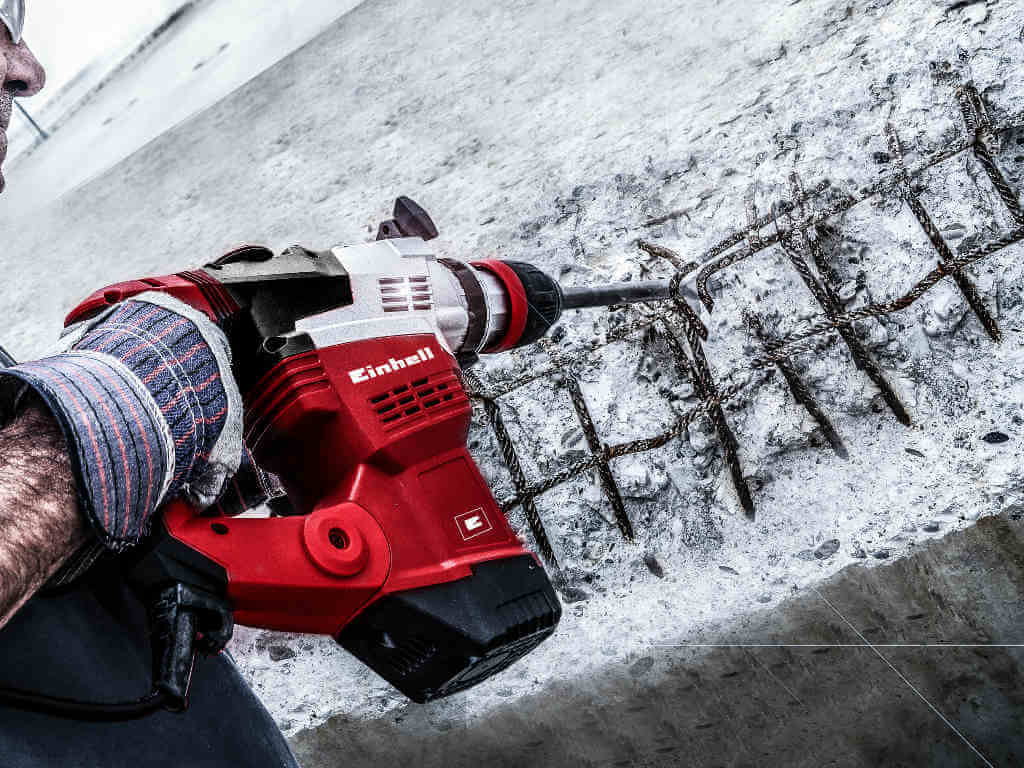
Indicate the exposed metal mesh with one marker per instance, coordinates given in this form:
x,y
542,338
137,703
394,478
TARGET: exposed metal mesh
x,y
793,222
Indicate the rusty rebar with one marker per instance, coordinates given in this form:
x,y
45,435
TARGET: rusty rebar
x,y
979,125
800,391
515,468
830,303
777,351
604,470
963,281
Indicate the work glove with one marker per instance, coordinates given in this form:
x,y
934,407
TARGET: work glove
x,y
250,487
145,398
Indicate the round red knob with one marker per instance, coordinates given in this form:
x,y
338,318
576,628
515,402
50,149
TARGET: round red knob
x,y
335,540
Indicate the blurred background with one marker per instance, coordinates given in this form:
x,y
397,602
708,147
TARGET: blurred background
x,y
121,72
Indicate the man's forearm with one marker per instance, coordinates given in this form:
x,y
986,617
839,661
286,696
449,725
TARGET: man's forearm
x,y
40,524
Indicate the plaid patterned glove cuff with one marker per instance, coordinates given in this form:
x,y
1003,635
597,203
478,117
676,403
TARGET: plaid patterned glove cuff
x,y
147,411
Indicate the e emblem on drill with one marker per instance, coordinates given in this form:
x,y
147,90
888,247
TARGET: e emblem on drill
x,y
473,523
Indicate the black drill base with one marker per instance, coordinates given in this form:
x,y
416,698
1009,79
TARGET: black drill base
x,y
435,641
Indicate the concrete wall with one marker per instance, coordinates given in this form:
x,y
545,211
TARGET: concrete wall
x,y
552,132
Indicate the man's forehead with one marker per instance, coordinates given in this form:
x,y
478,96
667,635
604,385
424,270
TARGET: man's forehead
x,y
12,14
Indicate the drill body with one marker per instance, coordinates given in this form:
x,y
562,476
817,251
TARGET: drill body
x,y
349,365
390,540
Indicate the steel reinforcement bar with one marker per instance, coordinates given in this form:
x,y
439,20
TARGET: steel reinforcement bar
x,y
794,222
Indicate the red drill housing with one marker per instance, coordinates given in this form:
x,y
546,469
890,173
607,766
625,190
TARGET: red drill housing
x,y
396,547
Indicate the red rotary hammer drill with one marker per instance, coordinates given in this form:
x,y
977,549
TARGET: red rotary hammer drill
x,y
349,364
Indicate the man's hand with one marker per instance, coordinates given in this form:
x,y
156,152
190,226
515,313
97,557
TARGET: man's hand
x,y
139,408
144,397
40,524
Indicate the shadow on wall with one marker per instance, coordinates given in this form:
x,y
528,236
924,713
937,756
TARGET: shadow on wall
x,y
831,700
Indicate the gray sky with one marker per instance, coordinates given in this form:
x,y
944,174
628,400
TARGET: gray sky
x,y
66,35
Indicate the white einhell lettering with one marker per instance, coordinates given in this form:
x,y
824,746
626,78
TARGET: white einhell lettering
x,y
367,372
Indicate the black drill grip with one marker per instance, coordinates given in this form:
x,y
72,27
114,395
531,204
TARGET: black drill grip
x,y
183,621
173,634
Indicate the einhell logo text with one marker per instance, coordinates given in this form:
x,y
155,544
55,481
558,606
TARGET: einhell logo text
x,y
368,372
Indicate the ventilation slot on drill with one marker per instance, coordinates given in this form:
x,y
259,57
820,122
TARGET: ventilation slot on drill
x,y
408,401
404,294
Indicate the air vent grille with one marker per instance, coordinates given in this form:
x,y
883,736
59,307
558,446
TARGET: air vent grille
x,y
410,401
404,294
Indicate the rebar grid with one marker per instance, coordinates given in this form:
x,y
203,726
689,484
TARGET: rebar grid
x,y
794,221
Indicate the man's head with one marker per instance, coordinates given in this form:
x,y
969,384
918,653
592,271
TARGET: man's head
x,y
20,73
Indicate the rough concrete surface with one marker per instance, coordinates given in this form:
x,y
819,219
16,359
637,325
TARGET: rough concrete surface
x,y
555,133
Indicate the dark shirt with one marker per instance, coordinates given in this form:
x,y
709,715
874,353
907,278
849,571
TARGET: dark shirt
x,y
90,642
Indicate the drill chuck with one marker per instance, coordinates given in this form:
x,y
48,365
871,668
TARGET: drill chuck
x,y
523,303
533,303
